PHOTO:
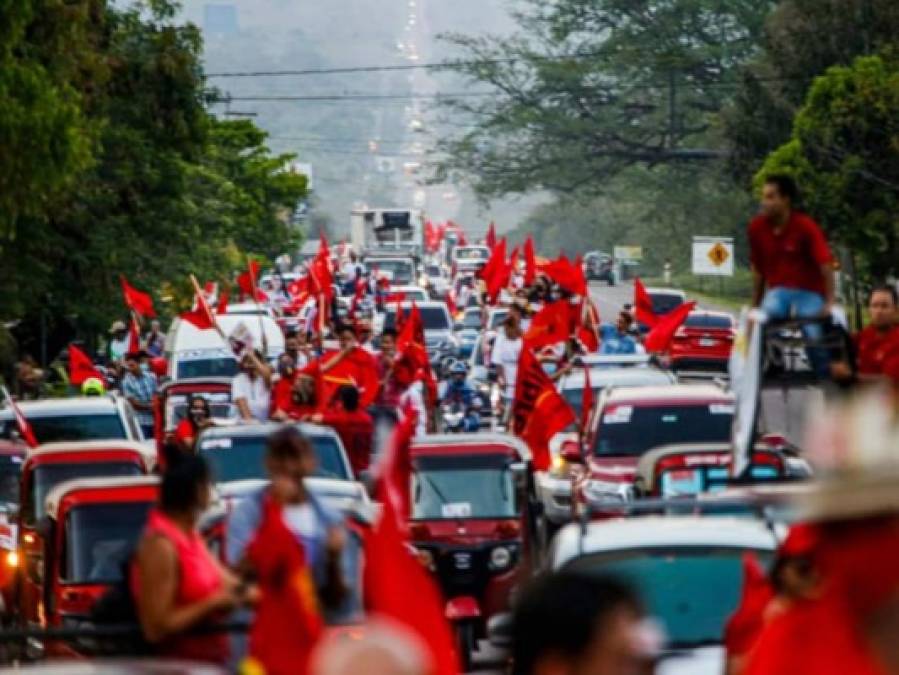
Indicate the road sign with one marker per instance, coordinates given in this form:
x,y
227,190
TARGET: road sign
x,y
628,253
713,256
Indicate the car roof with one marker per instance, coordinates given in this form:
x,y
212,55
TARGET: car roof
x,y
482,443
616,377
73,405
673,392
666,291
574,540
197,382
427,304
59,492
264,429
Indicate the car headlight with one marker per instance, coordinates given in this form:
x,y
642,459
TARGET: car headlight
x,y
601,490
12,559
500,558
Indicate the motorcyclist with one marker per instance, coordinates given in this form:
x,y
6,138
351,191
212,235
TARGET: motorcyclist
x,y
460,393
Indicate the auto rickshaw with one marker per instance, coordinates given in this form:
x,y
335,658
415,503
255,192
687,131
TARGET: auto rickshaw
x,y
12,457
46,467
473,523
692,469
91,527
170,402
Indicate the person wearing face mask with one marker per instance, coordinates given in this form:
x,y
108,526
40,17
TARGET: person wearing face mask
x,y
139,387
460,393
199,417
282,389
301,401
251,389
505,354
296,345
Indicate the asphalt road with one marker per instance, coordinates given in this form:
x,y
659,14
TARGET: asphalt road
x,y
610,299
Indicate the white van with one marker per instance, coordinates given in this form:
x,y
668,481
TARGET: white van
x,y
202,353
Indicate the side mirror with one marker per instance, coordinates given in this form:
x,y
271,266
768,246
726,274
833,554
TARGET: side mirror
x,y
571,452
499,630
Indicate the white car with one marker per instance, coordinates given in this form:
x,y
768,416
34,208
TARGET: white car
x,y
687,570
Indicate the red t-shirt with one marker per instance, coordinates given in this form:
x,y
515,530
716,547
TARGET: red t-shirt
x,y
355,430
281,394
791,258
873,347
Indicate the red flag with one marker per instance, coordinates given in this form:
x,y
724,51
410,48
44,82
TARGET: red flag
x,y
81,367
324,251
496,260
288,623
221,306
25,430
539,411
746,623
550,325
643,305
246,281
200,316
490,240
396,585
569,276
659,338
499,279
432,238
587,403
413,355
137,301
461,241
133,336
530,262
587,332
357,368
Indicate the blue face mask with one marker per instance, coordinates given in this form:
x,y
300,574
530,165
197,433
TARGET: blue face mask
x,y
549,367
145,367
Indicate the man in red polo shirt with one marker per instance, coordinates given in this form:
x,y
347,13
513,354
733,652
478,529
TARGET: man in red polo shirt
x,y
880,340
354,426
792,266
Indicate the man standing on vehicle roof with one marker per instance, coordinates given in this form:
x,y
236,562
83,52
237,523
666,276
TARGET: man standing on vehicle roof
x,y
139,387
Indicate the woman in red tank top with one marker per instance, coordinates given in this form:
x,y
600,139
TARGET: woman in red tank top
x,y
177,583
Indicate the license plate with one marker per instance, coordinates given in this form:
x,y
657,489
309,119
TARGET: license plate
x,y
707,342
462,561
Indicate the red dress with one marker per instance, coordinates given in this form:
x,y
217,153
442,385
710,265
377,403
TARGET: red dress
x,y
198,578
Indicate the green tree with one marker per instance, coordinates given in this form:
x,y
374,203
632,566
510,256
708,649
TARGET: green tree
x,y
802,39
844,152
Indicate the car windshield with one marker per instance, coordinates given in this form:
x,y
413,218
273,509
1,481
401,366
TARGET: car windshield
x,y
242,457
708,321
690,590
471,253
47,476
10,473
215,367
400,270
99,539
472,320
433,318
662,303
93,427
629,430
575,398
460,487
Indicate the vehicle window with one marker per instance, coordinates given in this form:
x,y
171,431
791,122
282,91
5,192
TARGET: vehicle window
x,y
447,488
691,590
688,481
176,407
467,253
472,320
243,457
401,270
217,367
47,476
627,430
707,321
497,319
99,538
10,474
433,318
575,398
662,303
433,271
103,426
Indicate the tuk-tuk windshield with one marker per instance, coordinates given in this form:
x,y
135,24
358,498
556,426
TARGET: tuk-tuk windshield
x,y
241,457
462,487
216,367
47,476
99,538
10,473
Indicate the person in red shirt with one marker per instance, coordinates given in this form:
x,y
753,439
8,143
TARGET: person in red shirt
x,y
198,417
300,401
282,389
393,384
354,426
880,339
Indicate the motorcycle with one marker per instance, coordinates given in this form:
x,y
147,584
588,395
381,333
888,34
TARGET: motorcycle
x,y
458,418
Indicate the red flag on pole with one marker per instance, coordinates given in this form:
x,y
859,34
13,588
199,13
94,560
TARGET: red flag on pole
x,y
287,624
137,301
643,305
496,260
81,367
550,325
133,336
569,276
539,411
246,281
659,338
25,430
200,316
530,261
490,239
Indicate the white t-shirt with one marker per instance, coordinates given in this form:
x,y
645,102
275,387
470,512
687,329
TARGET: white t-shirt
x,y
300,519
415,397
505,353
349,271
255,392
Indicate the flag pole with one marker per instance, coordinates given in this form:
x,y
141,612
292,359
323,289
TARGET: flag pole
x,y
203,303
258,307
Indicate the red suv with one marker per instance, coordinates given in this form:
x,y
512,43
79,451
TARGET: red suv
x,y
629,422
704,342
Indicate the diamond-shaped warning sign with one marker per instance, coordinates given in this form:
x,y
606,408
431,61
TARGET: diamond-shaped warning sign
x,y
718,254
